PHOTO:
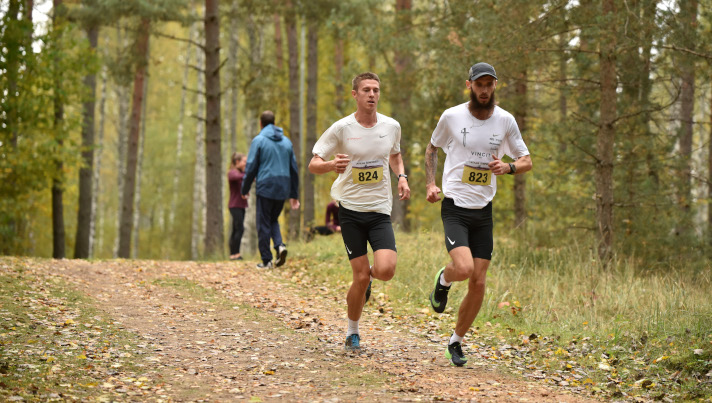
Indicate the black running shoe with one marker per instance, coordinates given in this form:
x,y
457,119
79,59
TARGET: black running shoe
x,y
438,298
368,292
455,355
352,342
281,255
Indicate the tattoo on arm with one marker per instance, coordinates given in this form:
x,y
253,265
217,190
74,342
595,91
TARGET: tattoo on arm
x,y
431,163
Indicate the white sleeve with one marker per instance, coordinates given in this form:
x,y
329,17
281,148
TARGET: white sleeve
x,y
513,144
441,133
396,144
328,143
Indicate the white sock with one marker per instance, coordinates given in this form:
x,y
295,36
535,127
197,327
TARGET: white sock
x,y
353,328
443,282
455,338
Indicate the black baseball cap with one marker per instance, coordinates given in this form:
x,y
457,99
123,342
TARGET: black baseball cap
x,y
481,69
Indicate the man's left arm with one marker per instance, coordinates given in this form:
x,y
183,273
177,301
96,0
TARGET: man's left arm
x,y
396,163
519,166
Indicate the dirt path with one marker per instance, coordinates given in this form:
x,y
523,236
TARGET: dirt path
x,y
259,339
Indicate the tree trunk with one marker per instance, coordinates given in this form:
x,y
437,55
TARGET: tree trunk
x,y
214,236
339,75
58,234
312,75
606,134
129,190
688,15
234,48
179,132
95,238
709,179
122,96
139,166
294,96
520,181
403,61
84,217
278,41
197,222
563,91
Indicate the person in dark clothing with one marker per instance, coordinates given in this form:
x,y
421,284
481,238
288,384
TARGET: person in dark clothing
x,y
271,162
237,203
331,221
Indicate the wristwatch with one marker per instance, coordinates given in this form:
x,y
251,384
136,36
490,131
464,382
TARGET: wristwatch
x,y
512,169
403,175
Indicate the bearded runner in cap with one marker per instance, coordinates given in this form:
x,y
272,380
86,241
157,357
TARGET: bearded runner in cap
x,y
364,144
474,136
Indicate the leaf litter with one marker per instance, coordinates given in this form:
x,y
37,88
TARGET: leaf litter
x,y
224,331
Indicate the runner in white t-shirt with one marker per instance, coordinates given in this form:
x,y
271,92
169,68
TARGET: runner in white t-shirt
x,y
364,144
474,136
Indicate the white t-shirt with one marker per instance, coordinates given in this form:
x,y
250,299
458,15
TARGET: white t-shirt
x,y
469,141
369,150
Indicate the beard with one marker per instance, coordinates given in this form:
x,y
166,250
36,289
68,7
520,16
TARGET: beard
x,y
476,106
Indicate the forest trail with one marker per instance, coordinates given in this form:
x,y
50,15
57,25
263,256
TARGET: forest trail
x,y
250,337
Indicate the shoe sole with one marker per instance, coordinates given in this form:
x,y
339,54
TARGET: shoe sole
x,y
432,294
282,258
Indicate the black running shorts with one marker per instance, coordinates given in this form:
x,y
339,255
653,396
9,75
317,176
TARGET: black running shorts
x,y
357,228
468,227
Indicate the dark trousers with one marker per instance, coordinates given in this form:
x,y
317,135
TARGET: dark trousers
x,y
238,228
268,211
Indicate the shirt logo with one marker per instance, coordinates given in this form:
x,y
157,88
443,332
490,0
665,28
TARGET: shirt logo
x,y
382,136
353,138
464,136
347,249
449,240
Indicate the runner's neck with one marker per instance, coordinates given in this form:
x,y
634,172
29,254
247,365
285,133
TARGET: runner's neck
x,y
366,119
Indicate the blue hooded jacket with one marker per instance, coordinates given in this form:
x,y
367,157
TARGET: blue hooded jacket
x,y
271,160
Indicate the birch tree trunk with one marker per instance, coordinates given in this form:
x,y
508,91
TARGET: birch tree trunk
x,y
122,96
294,124
129,190
96,240
180,130
606,133
197,222
214,234
86,199
233,63
141,141
312,78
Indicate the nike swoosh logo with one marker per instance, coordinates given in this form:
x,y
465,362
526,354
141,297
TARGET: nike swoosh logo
x,y
382,136
347,249
435,304
449,240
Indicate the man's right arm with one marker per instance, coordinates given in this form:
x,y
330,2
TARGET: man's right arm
x,y
431,167
317,165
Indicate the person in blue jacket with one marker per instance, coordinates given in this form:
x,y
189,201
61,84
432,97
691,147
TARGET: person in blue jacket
x,y
272,162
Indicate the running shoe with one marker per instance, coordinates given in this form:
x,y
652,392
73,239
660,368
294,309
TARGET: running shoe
x,y
352,342
368,292
281,255
263,265
455,355
438,298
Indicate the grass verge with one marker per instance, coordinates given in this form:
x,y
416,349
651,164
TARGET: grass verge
x,y
554,314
